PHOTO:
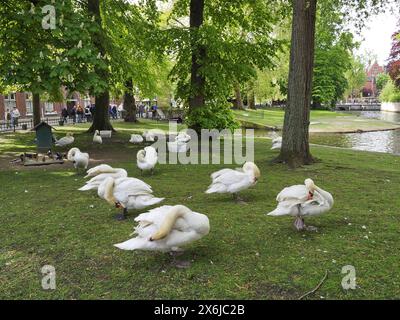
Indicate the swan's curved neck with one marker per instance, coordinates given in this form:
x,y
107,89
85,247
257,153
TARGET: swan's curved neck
x,y
325,194
109,191
169,221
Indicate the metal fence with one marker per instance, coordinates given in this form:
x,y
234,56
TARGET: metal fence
x,y
26,124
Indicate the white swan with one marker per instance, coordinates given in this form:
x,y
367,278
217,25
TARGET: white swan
x,y
127,193
148,136
276,143
233,181
95,182
167,228
146,159
136,138
302,201
177,146
102,168
183,137
78,158
65,141
97,138
180,143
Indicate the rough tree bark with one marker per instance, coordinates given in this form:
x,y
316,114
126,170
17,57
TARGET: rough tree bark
x,y
295,149
251,100
197,80
238,97
129,103
101,119
36,108
251,97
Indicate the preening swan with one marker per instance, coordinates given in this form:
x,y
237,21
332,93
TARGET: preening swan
x,y
97,138
127,193
276,143
78,158
180,143
146,159
233,181
97,179
65,141
136,138
302,201
102,168
167,228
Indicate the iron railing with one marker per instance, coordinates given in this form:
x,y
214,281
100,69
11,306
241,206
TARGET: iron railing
x,y
26,124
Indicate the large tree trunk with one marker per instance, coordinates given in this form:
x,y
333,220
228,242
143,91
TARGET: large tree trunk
x,y
251,97
197,80
251,100
295,137
238,97
101,118
129,103
36,108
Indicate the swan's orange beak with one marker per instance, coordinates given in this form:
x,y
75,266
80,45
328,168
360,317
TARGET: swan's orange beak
x,y
310,195
118,205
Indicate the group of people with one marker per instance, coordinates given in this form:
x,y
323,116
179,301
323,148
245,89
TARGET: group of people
x,y
78,113
12,117
143,111
113,111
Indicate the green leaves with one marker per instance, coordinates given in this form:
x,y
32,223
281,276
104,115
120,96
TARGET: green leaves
x,y
237,37
43,60
333,55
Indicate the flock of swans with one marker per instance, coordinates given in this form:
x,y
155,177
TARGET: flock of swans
x,y
168,228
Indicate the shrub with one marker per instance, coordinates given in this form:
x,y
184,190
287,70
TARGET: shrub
x,y
390,93
212,116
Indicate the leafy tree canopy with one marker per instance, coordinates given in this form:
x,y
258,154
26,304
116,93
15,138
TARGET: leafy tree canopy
x,y
39,59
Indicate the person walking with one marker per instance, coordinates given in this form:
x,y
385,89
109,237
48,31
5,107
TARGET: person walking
x,y
87,113
64,115
141,110
8,118
15,116
92,110
114,112
72,114
154,111
80,112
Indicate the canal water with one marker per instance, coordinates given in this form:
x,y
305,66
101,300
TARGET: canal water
x,y
379,141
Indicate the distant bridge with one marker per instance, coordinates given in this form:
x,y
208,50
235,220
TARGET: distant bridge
x,y
358,107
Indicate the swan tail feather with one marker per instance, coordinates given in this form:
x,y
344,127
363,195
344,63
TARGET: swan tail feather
x,y
216,188
87,187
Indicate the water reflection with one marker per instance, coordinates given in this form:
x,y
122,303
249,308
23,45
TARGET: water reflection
x,y
379,141
386,116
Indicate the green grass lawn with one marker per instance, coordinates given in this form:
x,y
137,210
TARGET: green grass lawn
x,y
45,220
321,121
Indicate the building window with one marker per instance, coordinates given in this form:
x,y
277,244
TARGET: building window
x,y
28,103
9,101
48,107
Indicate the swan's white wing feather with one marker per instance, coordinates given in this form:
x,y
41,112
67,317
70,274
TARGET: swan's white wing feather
x,y
298,192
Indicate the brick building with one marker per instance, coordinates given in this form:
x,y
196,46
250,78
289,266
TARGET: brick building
x,y
23,101
372,72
